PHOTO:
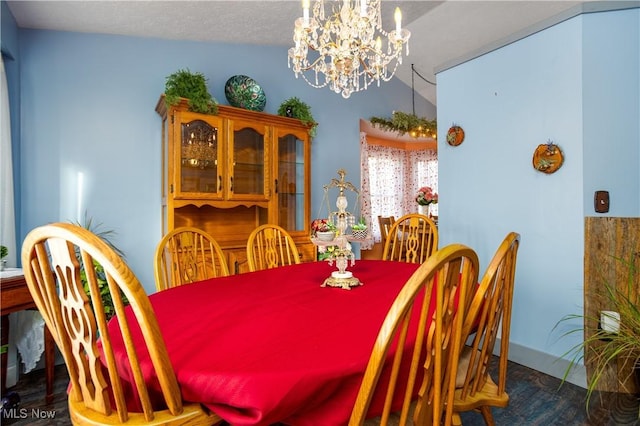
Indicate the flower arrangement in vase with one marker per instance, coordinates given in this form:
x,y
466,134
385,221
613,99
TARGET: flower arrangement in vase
x,y
323,229
424,198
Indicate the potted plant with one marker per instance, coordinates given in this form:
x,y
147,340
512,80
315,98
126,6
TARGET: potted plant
x,y
360,229
105,294
612,336
4,252
295,108
193,86
323,229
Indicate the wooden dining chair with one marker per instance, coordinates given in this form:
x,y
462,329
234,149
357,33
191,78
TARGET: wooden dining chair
x,y
491,305
185,255
270,246
412,238
422,318
57,260
385,223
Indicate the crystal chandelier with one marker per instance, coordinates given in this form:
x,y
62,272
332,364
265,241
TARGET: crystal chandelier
x,y
345,49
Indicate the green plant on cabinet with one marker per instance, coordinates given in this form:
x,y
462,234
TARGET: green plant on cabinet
x,y
193,86
295,108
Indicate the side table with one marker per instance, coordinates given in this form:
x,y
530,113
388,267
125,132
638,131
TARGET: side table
x,y
15,297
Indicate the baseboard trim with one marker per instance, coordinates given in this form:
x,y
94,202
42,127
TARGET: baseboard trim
x,y
546,363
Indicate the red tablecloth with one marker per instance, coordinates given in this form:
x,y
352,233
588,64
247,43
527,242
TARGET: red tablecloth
x,y
274,346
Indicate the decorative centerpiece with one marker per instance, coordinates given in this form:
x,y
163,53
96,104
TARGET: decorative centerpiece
x,y
425,198
338,249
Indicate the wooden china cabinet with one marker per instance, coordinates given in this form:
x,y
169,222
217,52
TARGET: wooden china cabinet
x,y
231,172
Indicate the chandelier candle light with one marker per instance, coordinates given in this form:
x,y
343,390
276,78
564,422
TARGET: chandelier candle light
x,y
345,49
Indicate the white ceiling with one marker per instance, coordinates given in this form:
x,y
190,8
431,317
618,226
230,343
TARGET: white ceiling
x,y
442,32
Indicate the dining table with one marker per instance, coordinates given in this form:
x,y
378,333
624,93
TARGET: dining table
x,y
274,346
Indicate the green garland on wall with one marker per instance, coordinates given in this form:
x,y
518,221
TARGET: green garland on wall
x,y
403,122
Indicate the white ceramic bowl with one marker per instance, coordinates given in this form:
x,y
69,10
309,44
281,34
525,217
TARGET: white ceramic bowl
x,y
325,235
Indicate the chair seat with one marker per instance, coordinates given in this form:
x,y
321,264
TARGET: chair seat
x,y
487,395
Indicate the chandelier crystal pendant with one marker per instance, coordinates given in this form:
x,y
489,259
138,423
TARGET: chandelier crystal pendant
x,y
345,49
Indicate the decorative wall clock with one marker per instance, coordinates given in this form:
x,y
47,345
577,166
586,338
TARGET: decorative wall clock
x,y
455,135
547,158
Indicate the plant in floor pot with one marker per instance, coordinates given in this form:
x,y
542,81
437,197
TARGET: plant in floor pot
x,y
105,294
612,336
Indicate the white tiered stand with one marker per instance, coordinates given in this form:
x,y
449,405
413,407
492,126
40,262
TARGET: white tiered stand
x,y
342,253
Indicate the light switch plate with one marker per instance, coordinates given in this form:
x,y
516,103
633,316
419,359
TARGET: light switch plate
x,y
601,201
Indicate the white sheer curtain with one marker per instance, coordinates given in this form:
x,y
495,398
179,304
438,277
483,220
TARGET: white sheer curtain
x,y
7,219
26,330
391,178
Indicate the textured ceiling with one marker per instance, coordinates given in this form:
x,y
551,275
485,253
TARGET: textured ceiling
x,y
443,32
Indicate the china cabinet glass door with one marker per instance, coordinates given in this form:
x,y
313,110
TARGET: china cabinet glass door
x,y
291,182
199,168
248,163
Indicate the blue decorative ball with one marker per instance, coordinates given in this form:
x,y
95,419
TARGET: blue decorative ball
x,y
243,92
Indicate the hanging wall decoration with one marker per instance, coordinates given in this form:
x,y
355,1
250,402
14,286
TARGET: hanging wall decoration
x,y
455,135
547,158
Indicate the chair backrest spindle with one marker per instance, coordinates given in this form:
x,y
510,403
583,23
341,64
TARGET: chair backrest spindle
x,y
270,246
188,254
412,238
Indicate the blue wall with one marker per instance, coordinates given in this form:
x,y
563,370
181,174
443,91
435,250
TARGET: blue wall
x,y
87,108
568,85
611,91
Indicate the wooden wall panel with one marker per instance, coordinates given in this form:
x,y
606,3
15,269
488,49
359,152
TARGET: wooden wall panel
x,y
605,239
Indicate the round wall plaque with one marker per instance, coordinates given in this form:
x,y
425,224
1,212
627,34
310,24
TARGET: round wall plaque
x,y
547,158
455,135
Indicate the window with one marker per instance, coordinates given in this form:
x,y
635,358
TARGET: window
x,y
391,177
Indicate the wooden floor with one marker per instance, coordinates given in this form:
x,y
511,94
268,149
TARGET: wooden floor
x,y
536,399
